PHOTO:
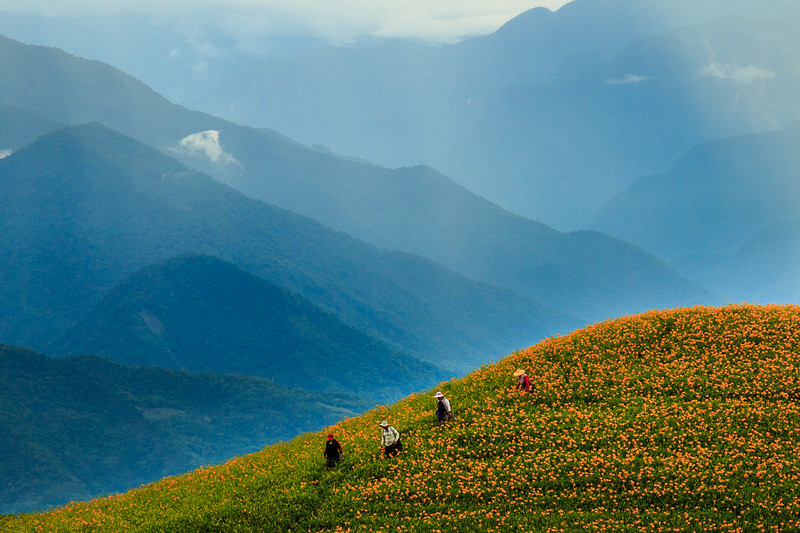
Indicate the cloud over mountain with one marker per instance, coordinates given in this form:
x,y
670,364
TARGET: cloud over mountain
x,y
206,144
628,78
249,21
737,73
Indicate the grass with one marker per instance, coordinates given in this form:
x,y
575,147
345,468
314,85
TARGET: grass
x,y
676,420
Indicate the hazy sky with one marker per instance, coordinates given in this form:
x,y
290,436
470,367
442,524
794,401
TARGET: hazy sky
x,y
339,20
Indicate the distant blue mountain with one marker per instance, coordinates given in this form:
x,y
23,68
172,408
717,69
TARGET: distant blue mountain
x,y
713,199
587,275
722,214
21,125
171,62
764,269
551,115
87,207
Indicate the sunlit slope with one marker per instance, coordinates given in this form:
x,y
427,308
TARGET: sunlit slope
x,y
678,420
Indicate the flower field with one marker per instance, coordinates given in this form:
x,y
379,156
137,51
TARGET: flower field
x,y
676,420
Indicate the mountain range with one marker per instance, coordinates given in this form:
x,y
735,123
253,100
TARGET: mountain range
x,y
419,210
720,213
138,229
572,104
358,197
175,64
89,206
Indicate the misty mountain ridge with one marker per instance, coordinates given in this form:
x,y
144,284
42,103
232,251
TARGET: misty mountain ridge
x,y
721,207
661,70
352,196
770,257
712,190
176,65
587,135
419,210
547,114
90,207
201,314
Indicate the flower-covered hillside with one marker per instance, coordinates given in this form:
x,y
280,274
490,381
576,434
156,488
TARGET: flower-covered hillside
x,y
677,420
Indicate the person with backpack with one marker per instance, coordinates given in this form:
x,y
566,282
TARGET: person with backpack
x,y
333,452
523,383
443,410
390,439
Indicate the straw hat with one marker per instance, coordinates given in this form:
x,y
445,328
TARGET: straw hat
x,y
384,424
518,372
438,395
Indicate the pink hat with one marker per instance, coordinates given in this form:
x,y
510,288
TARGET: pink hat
x,y
438,395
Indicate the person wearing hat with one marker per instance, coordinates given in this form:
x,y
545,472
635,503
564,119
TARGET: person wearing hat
x,y
390,439
523,383
443,411
333,451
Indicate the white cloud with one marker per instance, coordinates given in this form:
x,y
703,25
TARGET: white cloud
x,y
5,153
206,144
736,73
337,20
628,78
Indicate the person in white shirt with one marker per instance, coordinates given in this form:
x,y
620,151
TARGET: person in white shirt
x,y
443,410
390,439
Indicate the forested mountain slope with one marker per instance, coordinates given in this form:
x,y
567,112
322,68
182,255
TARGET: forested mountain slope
x,y
77,428
202,314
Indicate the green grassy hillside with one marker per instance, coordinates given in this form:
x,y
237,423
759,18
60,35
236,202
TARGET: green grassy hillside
x,y
678,420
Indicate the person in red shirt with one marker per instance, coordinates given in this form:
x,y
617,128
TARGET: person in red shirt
x,y
333,451
523,383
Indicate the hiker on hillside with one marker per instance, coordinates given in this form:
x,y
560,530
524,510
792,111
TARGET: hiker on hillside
x,y
523,383
390,439
333,452
443,410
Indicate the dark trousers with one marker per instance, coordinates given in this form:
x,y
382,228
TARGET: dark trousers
x,y
392,449
331,460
